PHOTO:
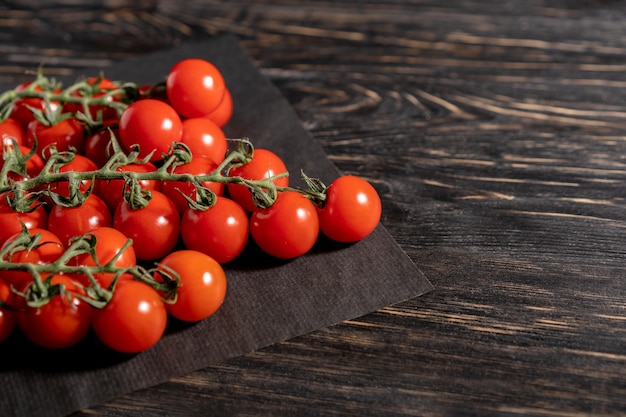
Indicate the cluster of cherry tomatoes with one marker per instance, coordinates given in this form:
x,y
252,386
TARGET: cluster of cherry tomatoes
x,y
71,251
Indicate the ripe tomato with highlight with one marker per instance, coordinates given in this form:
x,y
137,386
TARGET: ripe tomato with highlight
x,y
288,228
351,211
205,138
194,87
151,124
70,222
264,164
154,229
133,321
60,323
202,284
110,245
221,231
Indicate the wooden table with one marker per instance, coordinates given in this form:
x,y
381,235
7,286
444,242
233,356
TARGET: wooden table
x,y
494,131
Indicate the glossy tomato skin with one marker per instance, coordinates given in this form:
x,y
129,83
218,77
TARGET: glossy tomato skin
x,y
70,222
133,320
112,192
194,87
11,221
205,138
352,209
7,314
222,114
49,249
202,285
264,164
287,229
109,245
64,135
154,229
197,166
11,130
151,124
221,231
80,163
61,323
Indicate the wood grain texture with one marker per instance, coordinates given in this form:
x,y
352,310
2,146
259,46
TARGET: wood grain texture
x,y
494,131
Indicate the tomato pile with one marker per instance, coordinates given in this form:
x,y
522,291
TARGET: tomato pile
x,y
120,204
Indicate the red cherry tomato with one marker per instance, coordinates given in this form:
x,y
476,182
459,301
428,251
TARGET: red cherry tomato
x,y
287,229
65,135
109,245
151,124
205,138
70,222
194,87
202,284
133,320
154,229
197,166
21,110
80,163
48,250
351,211
264,164
222,114
7,314
112,192
220,232
97,144
61,322
11,129
11,221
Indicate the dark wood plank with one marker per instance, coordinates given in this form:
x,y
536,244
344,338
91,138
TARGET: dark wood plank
x,y
494,131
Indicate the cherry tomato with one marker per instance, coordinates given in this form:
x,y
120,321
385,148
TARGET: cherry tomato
x,y
70,222
133,320
205,138
220,232
80,163
351,211
97,144
109,245
21,110
288,228
197,166
154,229
96,112
112,192
48,250
222,114
64,135
61,322
202,284
11,129
151,124
264,164
7,314
194,87
11,221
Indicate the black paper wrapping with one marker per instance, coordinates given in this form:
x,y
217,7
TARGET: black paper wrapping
x,y
267,300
